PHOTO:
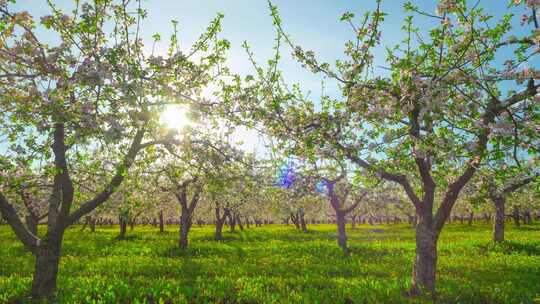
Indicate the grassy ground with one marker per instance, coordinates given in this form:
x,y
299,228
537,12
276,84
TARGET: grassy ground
x,y
277,264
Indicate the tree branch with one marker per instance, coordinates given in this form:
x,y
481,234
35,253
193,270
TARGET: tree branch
x,y
519,184
29,240
117,179
397,178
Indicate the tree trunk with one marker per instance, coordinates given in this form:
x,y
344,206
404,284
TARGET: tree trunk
x,y
183,241
46,270
425,263
516,216
527,218
219,230
471,218
303,223
498,223
232,222
342,236
220,221
294,219
185,225
353,222
132,225
123,227
92,224
239,222
161,222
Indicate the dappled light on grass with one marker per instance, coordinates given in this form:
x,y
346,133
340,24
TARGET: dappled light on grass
x,y
276,263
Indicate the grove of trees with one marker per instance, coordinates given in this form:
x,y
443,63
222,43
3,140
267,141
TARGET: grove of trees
x,y
448,129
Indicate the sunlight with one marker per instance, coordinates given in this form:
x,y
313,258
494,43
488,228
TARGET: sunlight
x,y
174,117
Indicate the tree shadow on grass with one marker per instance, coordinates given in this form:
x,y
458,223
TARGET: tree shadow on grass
x,y
510,247
496,284
127,238
203,250
177,252
253,235
240,252
72,247
370,253
191,270
528,228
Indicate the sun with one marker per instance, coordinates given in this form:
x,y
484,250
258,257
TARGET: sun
x,y
174,117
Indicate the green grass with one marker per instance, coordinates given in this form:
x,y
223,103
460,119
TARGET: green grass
x,y
277,264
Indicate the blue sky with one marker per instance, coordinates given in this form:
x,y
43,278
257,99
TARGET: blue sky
x,y
313,24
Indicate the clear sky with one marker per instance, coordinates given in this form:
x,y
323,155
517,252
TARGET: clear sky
x,y
314,24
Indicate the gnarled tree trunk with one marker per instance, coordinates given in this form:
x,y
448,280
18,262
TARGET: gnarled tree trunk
x,y
425,262
188,208
498,223
342,236
220,221
47,259
185,226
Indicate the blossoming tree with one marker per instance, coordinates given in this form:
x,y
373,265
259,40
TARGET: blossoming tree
x,y
426,126
198,161
93,88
